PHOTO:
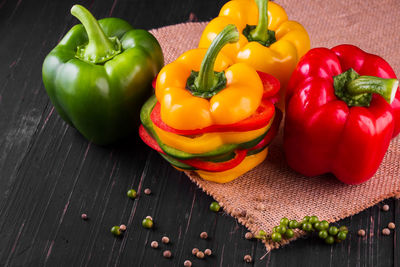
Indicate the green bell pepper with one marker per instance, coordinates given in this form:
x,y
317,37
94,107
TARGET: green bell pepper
x,y
100,74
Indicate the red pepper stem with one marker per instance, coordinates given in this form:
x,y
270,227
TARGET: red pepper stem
x,y
100,48
260,33
369,84
207,79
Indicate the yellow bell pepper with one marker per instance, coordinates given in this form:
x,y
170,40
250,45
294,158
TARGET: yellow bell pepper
x,y
270,42
246,165
203,87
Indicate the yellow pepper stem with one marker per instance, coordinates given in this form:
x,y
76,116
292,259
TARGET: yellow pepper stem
x,y
206,82
260,33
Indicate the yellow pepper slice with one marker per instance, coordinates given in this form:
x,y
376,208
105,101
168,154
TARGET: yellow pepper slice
x,y
237,98
278,58
246,165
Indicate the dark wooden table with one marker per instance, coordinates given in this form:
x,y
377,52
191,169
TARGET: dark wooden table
x,y
50,175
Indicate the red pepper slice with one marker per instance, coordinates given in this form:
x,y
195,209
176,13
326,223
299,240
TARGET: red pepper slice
x,y
270,83
261,118
217,166
149,140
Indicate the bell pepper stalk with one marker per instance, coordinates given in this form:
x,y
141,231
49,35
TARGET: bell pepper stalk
x,y
190,103
206,83
179,154
273,44
260,32
100,74
343,108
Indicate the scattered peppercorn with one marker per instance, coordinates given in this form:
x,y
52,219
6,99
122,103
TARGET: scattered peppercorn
x,y
361,232
248,235
289,233
330,240
333,230
391,226
293,224
84,216
194,251
276,237
165,239
341,236
187,263
154,244
147,223
208,252
115,230
149,217
122,227
284,221
324,225
385,207
323,234
131,193
214,206
307,227
200,254
147,191
247,258
386,231
167,254
203,235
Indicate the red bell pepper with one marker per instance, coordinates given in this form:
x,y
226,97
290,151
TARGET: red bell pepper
x,y
336,120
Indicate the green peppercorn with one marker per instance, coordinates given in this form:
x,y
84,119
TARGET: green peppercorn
x,y
289,233
276,237
115,230
306,218
131,193
344,229
281,229
274,230
330,240
341,235
323,234
307,227
333,230
317,226
262,233
214,206
147,223
313,220
284,221
293,224
324,225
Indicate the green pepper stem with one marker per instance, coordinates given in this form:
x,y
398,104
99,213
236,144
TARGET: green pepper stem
x,y
100,48
260,33
207,79
369,84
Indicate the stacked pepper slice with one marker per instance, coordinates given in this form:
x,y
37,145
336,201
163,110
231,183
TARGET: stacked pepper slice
x,y
210,115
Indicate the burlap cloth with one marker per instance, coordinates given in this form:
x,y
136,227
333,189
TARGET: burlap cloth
x,y
373,26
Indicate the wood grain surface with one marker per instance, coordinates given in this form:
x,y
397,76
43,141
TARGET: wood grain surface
x,y
50,175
